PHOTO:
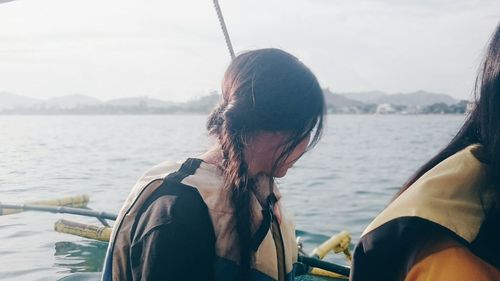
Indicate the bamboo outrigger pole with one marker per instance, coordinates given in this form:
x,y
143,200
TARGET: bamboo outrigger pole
x,y
78,201
58,209
101,233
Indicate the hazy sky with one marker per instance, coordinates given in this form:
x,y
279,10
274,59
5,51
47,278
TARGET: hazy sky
x,y
174,50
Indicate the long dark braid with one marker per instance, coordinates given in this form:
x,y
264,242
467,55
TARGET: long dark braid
x,y
237,181
236,177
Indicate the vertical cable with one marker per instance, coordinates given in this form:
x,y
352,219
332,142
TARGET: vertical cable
x,y
224,29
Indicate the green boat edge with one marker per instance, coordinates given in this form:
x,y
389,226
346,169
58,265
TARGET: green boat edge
x,y
96,276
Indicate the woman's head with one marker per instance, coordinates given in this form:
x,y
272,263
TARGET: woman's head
x,y
271,111
268,97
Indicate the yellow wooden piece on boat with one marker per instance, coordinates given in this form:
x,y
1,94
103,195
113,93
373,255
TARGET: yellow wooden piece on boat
x,y
101,233
78,201
326,273
337,243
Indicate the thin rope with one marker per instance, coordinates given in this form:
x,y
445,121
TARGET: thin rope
x,y
224,29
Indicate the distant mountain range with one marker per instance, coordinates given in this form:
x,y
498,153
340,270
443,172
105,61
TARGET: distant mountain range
x,y
380,102
418,98
360,102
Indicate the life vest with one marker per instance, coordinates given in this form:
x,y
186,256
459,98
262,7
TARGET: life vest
x,y
202,183
448,201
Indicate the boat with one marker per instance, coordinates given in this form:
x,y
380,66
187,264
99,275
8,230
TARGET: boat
x,y
312,266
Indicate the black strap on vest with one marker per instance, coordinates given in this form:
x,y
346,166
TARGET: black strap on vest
x,y
267,214
187,169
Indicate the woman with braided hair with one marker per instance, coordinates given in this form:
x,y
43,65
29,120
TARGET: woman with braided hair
x,y
219,216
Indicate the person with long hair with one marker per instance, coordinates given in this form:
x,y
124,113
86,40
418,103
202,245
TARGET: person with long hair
x,y
219,216
444,224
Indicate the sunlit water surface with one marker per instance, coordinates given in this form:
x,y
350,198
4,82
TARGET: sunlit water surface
x,y
340,185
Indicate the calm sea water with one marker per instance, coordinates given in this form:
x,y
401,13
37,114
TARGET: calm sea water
x,y
341,185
